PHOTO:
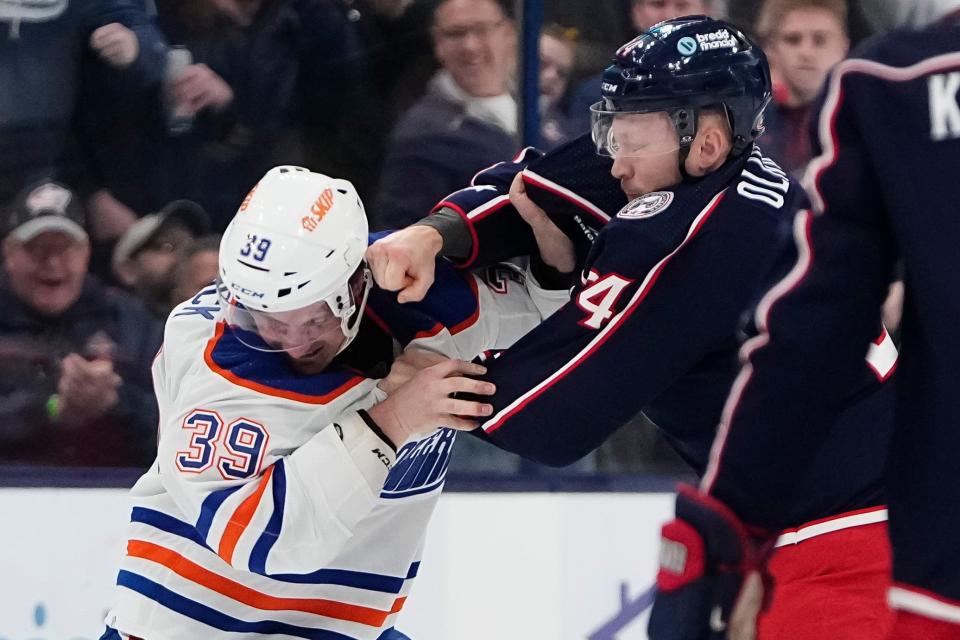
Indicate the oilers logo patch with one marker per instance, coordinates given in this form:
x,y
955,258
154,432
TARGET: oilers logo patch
x,y
421,466
646,206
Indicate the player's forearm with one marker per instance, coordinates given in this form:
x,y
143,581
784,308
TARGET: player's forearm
x,y
481,227
457,240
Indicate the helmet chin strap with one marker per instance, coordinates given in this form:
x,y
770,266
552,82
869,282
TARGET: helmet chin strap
x,y
685,121
355,312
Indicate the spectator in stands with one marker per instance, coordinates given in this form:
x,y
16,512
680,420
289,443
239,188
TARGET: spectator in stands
x,y
396,63
643,15
75,386
42,48
601,28
147,255
263,73
196,270
558,50
466,121
804,39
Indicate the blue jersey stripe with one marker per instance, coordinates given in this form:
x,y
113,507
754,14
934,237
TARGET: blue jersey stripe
x,y
341,577
167,523
345,578
209,509
414,570
394,495
217,619
258,557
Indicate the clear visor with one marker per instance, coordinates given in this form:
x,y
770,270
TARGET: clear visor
x,y
620,134
298,332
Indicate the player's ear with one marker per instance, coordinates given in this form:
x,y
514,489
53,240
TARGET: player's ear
x,y
710,148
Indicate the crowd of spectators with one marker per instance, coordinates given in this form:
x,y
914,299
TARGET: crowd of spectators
x,y
136,127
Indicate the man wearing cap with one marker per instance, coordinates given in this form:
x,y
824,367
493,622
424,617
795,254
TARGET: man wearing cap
x,y
147,253
74,355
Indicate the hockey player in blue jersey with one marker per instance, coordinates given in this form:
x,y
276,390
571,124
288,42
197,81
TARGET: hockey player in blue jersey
x,y
885,187
290,494
673,234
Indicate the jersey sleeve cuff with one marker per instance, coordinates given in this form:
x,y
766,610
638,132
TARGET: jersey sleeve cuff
x,y
369,448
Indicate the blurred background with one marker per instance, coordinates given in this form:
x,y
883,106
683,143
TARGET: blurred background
x,y
143,123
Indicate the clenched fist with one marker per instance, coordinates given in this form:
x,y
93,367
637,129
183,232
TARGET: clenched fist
x,y
405,261
116,45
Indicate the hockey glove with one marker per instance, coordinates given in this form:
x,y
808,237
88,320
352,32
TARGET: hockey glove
x,y
705,556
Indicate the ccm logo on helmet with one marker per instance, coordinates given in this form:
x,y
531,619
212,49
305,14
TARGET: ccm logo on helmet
x,y
246,292
318,210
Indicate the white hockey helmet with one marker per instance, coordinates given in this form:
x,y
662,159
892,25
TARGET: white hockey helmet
x,y
291,261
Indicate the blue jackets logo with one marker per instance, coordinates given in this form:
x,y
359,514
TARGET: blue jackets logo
x,y
421,466
646,206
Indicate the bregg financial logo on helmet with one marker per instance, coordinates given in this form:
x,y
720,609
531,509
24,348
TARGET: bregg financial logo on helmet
x,y
646,206
719,39
318,210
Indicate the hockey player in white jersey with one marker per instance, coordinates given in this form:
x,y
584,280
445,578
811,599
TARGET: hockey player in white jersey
x,y
277,506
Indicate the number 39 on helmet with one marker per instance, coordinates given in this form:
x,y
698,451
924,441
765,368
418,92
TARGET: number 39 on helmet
x,y
296,243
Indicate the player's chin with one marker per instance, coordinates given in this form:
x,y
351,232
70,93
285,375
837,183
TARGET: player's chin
x,y
314,362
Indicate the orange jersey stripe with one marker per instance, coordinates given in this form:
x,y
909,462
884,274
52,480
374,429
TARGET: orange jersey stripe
x,y
241,518
188,569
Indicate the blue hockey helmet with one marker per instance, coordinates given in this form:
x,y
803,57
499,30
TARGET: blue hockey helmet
x,y
680,66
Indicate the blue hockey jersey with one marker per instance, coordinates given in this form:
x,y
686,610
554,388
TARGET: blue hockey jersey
x,y
653,323
885,186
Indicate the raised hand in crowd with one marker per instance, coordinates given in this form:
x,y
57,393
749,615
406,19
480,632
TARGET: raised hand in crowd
x,y
116,45
108,217
199,87
87,389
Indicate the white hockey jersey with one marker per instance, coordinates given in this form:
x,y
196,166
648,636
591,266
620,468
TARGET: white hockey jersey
x,y
258,518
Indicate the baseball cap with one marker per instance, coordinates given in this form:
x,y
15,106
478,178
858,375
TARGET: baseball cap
x,y
46,206
185,212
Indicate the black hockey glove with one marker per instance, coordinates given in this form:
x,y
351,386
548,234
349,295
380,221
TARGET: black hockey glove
x,y
705,555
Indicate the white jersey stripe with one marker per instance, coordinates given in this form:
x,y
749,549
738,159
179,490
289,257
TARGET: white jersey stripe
x,y
923,603
872,516
831,107
566,194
